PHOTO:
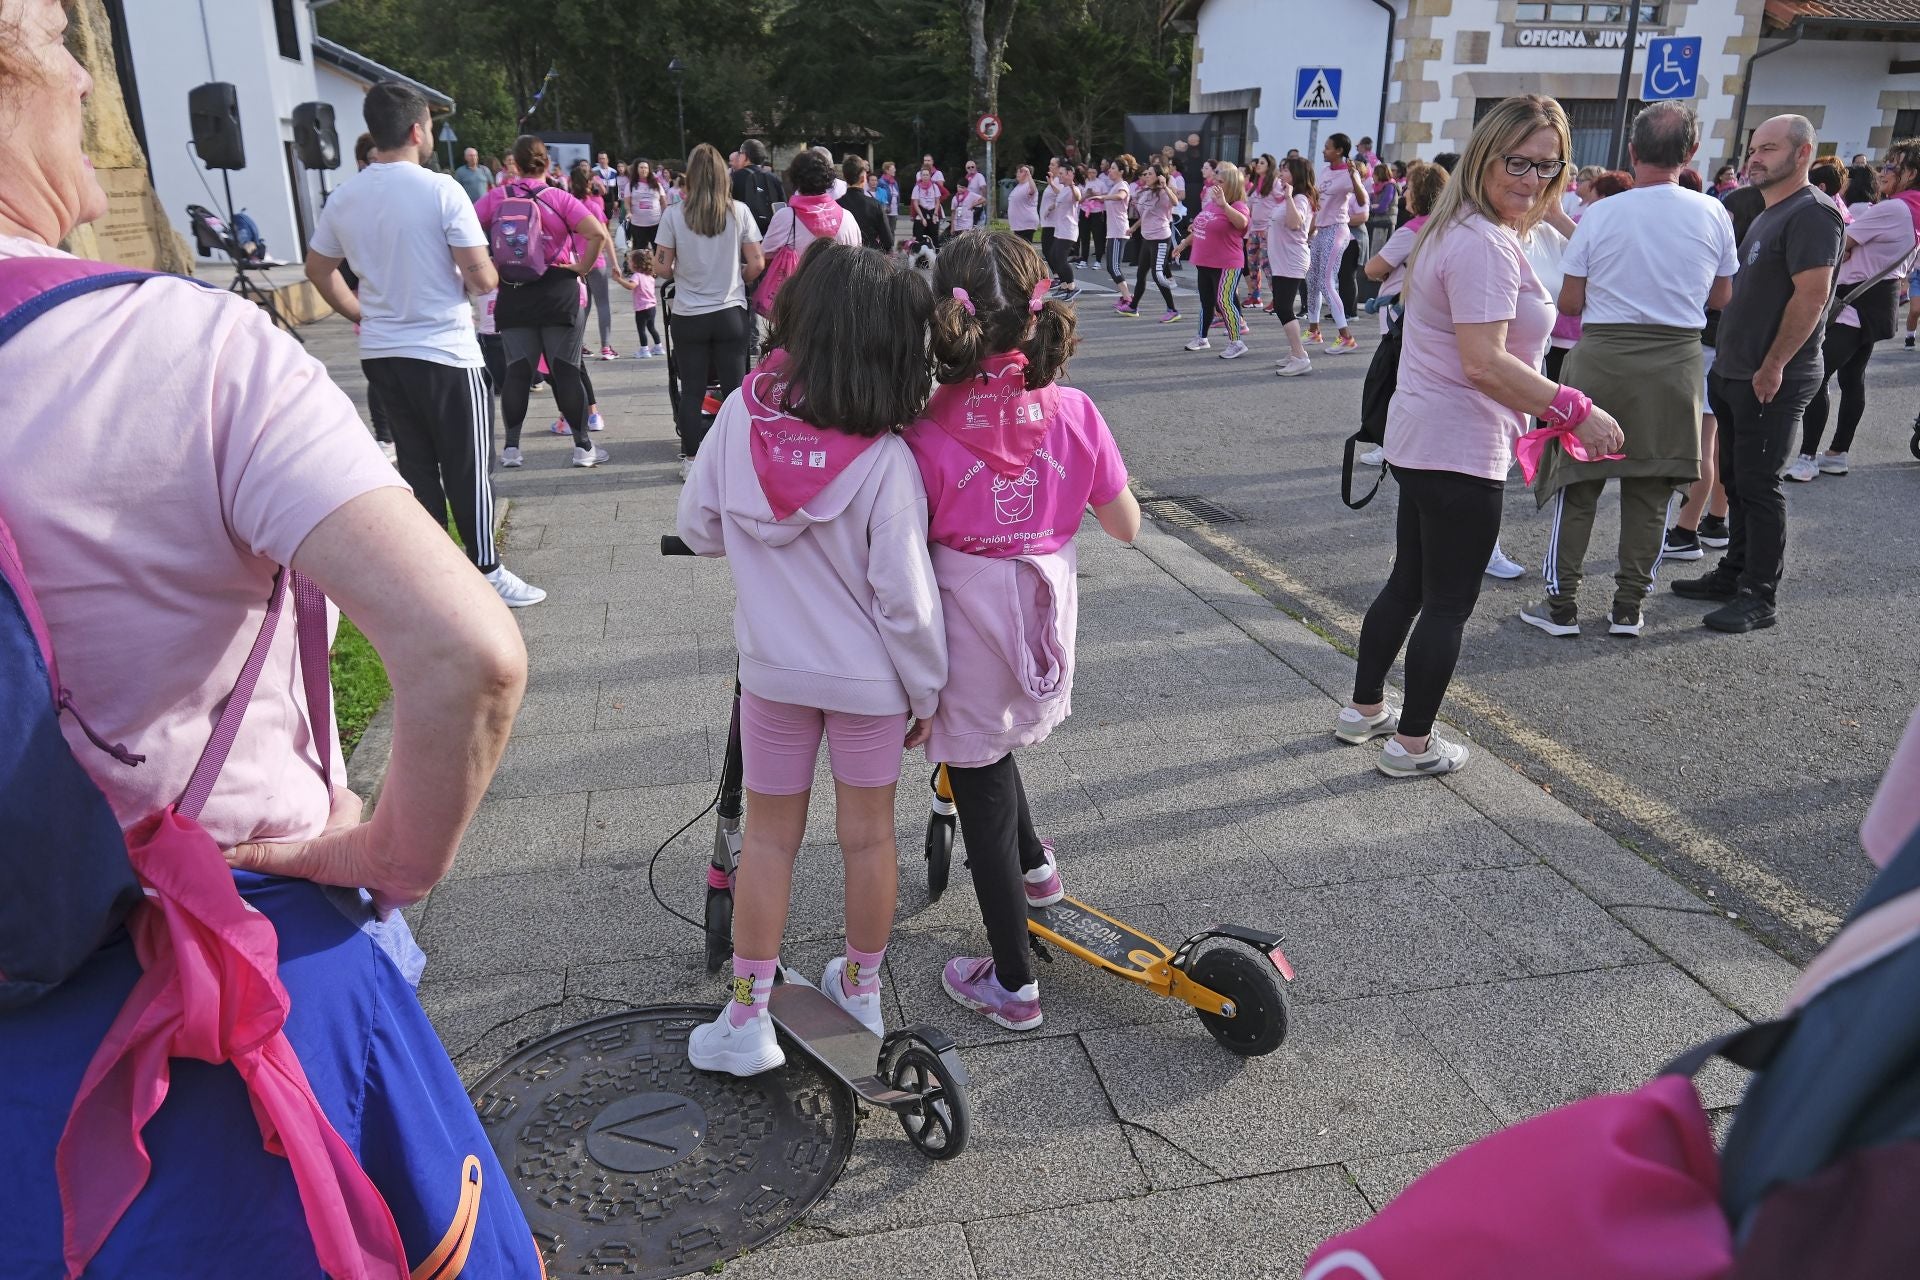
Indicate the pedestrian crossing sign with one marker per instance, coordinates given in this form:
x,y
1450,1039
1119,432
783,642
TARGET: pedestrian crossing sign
x,y
1316,93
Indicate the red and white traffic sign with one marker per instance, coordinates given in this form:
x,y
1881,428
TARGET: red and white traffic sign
x,y
987,127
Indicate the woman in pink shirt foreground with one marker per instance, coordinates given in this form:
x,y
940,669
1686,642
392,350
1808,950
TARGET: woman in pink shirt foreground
x,y
1011,461
1475,330
155,490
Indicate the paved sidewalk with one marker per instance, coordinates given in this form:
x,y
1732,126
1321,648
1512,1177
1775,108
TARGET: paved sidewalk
x,y
1469,951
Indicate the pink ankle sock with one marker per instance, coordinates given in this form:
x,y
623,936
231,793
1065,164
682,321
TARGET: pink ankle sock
x,y
862,974
752,983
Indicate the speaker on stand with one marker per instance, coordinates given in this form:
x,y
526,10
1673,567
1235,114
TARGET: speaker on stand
x,y
316,141
213,111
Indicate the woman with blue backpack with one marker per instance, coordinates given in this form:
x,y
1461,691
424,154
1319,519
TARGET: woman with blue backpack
x,y
212,1061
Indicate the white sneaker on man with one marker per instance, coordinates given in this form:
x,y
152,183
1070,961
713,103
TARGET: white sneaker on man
x,y
510,457
1804,468
514,593
1374,457
592,457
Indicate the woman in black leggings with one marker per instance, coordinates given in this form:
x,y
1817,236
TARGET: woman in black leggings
x,y
1153,228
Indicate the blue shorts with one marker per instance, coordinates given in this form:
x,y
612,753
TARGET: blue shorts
x,y
216,1205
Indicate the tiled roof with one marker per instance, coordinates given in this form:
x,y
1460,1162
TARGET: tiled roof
x,y
1866,13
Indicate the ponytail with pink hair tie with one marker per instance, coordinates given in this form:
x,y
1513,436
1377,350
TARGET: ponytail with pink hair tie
x,y
1040,289
964,299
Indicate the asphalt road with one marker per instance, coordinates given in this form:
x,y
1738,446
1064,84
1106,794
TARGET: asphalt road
x,y
1743,764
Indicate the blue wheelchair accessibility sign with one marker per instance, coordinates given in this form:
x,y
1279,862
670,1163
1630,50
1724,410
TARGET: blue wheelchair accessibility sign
x,y
1673,68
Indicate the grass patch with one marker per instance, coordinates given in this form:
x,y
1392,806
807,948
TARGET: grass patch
x,y
359,684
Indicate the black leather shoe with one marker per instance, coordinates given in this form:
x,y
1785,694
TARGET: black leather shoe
x,y
1708,586
1746,612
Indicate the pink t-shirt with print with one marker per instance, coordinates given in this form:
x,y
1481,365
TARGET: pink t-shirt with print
x,y
153,486
1216,241
1287,250
1472,272
972,509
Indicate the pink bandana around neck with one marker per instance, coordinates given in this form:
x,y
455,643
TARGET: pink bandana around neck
x,y
1911,199
819,214
993,416
795,460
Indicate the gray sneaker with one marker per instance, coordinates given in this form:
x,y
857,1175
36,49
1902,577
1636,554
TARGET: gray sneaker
x,y
1353,728
1440,756
1556,618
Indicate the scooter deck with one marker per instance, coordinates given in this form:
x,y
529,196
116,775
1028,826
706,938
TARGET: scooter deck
x,y
1100,939
835,1039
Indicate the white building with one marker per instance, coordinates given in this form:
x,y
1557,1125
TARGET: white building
x,y
267,50
1851,66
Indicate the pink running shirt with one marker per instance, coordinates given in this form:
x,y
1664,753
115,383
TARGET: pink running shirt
x,y
1216,241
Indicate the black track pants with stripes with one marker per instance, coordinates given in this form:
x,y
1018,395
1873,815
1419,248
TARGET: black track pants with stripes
x,y
442,419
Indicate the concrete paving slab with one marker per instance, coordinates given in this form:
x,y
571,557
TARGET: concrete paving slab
x,y
1158,778
936,1252
1252,1229
550,709
1534,1043
625,659
1037,1109
700,609
524,834
550,764
669,590
684,700
1381,1178
1203,854
535,565
1718,955
601,533
1353,1079
1541,920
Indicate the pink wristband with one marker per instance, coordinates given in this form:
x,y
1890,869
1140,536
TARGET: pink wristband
x,y
1570,408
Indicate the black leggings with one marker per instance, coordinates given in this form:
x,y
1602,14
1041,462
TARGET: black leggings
x,y
1030,235
1348,277
1058,252
639,237
1286,292
1001,844
644,326
707,348
1093,241
1846,351
571,392
1153,262
1446,531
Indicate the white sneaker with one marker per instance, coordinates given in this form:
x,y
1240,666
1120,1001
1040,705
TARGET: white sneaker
x,y
1804,468
686,466
745,1050
864,1007
515,593
1353,728
595,422
644,353
1374,457
1833,464
1500,565
1234,350
1293,367
1199,344
588,457
1440,756
510,457
659,348
392,454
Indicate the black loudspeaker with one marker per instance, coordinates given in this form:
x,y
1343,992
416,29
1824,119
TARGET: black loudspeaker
x,y
215,112
314,137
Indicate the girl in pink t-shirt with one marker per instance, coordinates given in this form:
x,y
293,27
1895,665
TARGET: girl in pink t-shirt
x,y
1010,461
1263,189
1218,240
646,301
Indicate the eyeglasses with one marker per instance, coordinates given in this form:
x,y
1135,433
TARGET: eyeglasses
x,y
1517,167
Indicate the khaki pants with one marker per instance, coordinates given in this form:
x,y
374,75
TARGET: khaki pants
x,y
1644,506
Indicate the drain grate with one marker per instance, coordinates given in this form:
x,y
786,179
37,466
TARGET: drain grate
x,y
1188,513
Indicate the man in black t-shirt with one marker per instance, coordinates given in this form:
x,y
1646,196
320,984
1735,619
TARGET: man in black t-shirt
x,y
876,229
1767,367
757,186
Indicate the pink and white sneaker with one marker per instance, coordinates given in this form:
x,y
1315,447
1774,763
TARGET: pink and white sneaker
x,y
608,353
970,980
1043,883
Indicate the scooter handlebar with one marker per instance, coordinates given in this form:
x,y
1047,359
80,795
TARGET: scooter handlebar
x,y
673,546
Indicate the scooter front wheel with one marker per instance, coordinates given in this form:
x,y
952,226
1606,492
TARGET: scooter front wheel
x,y
939,1123
1913,445
1259,1020
939,855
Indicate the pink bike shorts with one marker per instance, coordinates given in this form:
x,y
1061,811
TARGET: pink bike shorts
x,y
779,743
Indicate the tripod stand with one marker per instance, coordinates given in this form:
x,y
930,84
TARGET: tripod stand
x,y
211,232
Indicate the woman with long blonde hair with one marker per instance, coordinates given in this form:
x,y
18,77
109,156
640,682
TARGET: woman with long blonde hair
x,y
709,245
1476,326
1218,239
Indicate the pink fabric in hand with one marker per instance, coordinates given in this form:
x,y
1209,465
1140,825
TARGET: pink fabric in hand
x,y
1530,447
1619,1187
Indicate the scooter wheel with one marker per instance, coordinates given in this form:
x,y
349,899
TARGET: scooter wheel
x,y
1913,445
939,1124
939,855
1259,1021
719,928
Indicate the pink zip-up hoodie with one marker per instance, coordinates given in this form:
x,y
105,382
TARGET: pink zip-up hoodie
x,y
837,606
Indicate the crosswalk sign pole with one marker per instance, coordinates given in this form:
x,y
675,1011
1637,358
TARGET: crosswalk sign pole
x,y
1313,144
1617,144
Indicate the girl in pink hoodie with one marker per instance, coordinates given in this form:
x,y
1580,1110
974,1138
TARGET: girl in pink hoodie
x,y
807,488
1010,462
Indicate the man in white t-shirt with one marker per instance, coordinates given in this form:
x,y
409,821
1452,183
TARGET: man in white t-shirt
x,y
417,247
969,202
1641,270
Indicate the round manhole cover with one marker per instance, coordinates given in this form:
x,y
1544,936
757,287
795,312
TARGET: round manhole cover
x,y
631,1163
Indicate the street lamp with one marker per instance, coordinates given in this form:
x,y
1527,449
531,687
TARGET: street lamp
x,y
917,122
1173,79
678,70
447,136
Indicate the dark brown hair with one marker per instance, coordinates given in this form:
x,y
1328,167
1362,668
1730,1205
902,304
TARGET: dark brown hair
x,y
362,148
1424,185
854,170
530,157
1827,176
854,327
999,271
809,174
1300,178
